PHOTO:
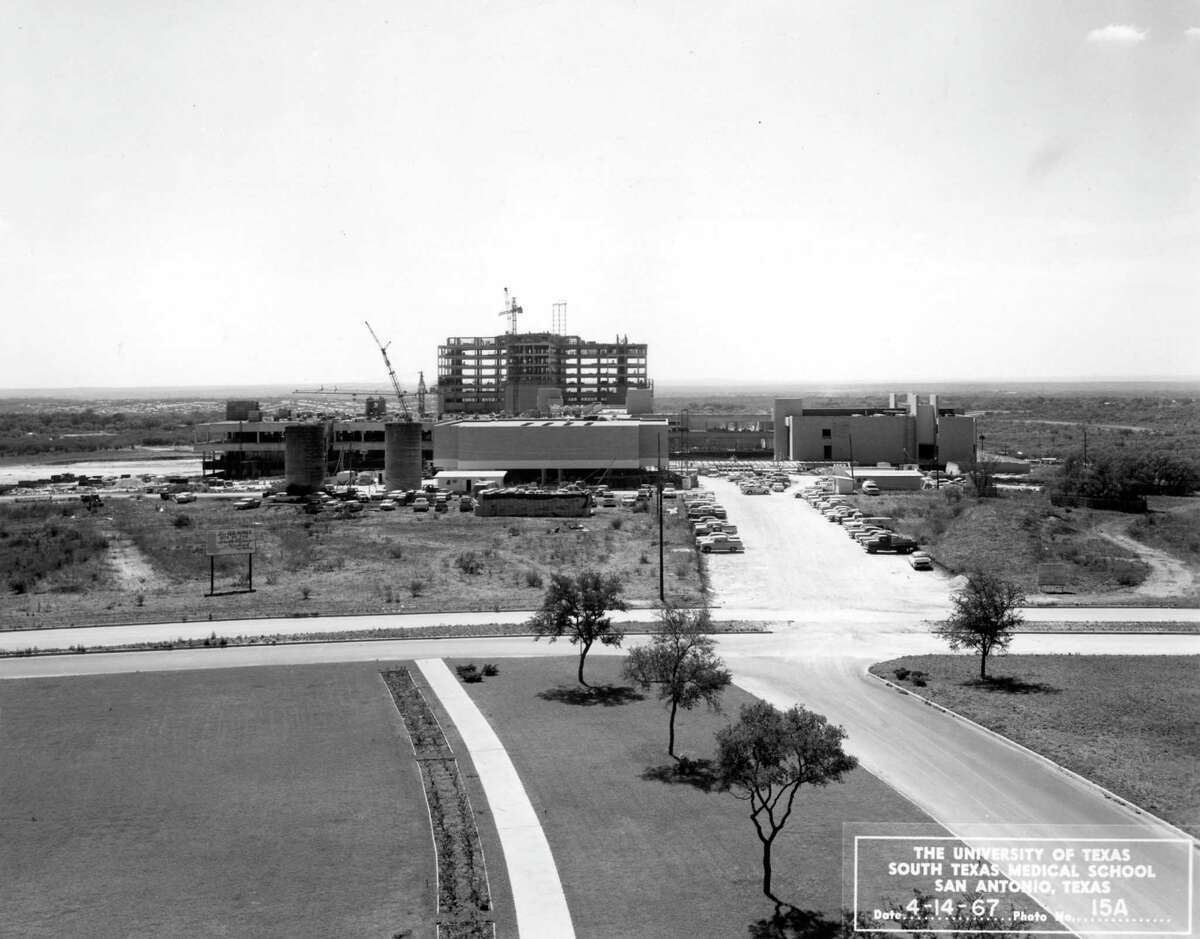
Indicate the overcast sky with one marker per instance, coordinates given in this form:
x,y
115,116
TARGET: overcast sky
x,y
211,192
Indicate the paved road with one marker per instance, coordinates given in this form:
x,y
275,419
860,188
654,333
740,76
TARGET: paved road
x,y
836,609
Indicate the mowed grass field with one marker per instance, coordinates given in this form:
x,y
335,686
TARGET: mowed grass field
x,y
239,802
640,857
1130,723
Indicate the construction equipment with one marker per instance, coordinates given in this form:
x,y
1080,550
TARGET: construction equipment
x,y
404,411
422,391
512,311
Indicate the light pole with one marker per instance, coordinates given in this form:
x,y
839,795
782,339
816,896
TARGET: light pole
x,y
662,589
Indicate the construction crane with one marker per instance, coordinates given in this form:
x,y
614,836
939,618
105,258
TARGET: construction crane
x,y
391,374
511,310
422,391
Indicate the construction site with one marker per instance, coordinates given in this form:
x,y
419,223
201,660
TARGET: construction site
x,y
540,406
546,407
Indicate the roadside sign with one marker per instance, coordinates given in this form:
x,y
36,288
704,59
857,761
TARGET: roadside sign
x,y
229,541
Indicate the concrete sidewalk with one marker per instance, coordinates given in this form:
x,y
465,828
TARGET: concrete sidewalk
x,y
538,899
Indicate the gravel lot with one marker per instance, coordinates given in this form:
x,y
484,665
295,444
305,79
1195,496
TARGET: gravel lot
x,y
798,562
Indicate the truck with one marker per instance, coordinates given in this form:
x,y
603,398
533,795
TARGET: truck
x,y
900,544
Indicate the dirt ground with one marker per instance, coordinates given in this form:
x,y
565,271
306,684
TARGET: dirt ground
x,y
156,569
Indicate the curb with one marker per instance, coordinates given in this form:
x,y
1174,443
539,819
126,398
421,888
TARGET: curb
x,y
1108,794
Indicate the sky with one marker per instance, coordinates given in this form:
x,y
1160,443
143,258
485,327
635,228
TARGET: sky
x,y
225,192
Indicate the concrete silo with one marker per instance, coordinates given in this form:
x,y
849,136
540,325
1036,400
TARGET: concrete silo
x,y
304,457
402,455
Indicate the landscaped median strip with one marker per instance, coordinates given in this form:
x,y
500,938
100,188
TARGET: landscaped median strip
x,y
538,899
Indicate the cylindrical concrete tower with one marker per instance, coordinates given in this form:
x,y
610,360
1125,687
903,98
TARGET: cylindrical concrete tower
x,y
402,455
304,457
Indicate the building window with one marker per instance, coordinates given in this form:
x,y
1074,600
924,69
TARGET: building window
x,y
826,434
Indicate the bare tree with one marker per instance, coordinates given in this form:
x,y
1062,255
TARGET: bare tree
x,y
986,611
767,756
680,660
577,607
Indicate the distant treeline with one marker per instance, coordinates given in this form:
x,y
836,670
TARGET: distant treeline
x,y
1123,476
87,430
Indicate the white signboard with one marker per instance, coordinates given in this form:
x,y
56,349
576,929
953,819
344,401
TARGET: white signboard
x,y
229,541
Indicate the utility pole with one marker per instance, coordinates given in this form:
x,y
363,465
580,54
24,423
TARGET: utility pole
x,y
662,589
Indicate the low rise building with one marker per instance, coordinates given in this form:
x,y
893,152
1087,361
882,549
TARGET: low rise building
x,y
915,432
549,450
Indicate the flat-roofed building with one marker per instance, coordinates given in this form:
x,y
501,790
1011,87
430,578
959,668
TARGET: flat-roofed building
x,y
540,448
915,432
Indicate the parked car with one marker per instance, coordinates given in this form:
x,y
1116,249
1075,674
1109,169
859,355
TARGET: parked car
x,y
608,501
420,504
721,544
920,561
387,505
250,502
870,488
182,497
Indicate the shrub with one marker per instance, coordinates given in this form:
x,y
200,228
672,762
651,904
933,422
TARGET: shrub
x,y
616,523
395,551
642,507
901,673
532,578
416,587
469,562
182,521
490,670
306,591
643,559
468,673
139,599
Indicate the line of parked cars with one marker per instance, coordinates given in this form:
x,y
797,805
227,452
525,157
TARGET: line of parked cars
x,y
871,532
710,524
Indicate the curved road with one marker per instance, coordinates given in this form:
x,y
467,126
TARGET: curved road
x,y
835,610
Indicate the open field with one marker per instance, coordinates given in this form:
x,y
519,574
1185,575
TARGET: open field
x,y
377,562
642,857
286,801
1130,723
1013,535
265,801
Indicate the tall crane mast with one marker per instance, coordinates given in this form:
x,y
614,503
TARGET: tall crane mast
x,y
391,374
511,310
422,391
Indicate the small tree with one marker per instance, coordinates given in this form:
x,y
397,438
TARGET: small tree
x,y
577,607
681,662
767,756
984,616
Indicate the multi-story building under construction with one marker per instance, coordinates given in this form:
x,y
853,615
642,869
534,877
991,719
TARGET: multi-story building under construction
x,y
529,373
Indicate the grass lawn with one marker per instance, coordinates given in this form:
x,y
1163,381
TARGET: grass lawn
x,y
641,857
242,802
1130,723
